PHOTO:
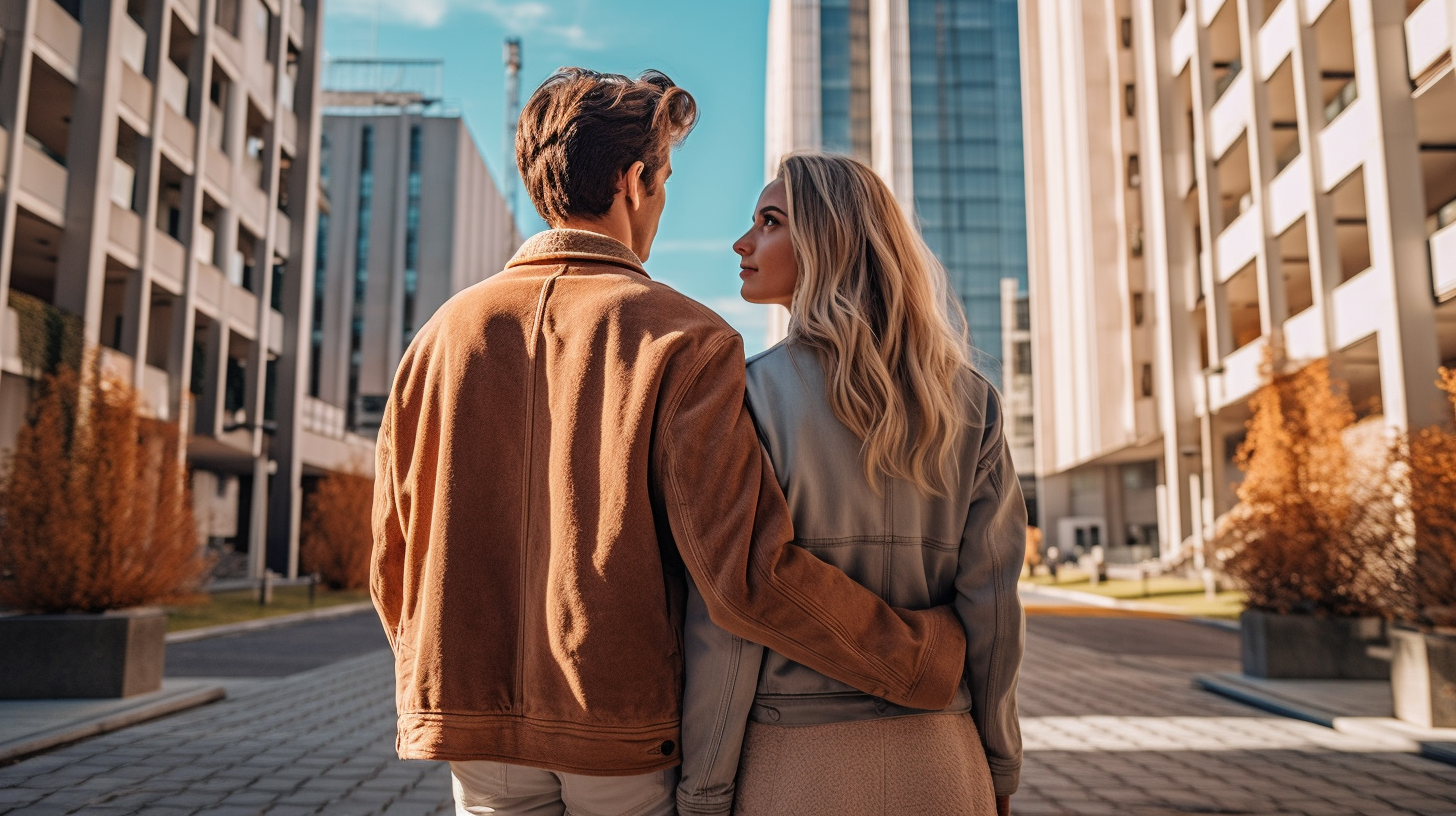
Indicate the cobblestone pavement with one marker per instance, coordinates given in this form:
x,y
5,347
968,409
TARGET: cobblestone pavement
x,y
1112,726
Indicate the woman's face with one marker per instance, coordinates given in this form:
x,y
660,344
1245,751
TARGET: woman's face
x,y
769,270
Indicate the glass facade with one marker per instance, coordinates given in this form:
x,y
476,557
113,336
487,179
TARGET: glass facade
x,y
965,97
361,261
965,100
844,65
412,233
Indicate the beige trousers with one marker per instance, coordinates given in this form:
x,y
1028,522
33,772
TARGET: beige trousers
x,y
926,765
483,787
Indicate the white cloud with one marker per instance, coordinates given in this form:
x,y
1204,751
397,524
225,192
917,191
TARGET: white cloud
x,y
525,17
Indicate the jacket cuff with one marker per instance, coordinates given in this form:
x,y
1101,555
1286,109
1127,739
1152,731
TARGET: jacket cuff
x,y
945,661
690,805
1005,778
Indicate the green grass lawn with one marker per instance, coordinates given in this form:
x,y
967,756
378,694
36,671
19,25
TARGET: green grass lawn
x,y
242,605
1182,594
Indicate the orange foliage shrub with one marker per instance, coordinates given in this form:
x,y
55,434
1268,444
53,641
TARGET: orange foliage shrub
x,y
96,509
1422,586
1306,536
337,536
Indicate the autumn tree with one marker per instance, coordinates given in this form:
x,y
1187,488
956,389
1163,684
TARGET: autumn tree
x,y
336,529
1421,586
95,503
1299,541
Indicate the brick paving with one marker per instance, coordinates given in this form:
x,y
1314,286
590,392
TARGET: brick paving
x,y
1112,725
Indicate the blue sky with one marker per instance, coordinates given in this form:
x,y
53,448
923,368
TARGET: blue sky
x,y
716,50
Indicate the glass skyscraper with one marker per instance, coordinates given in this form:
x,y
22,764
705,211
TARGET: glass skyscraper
x,y
958,62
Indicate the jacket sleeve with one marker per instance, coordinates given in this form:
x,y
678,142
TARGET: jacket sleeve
x,y
992,549
722,677
386,562
732,526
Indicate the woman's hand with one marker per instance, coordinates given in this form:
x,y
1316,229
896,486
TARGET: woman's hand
x,y
1003,806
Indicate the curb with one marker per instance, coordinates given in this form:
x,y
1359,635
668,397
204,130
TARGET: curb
x,y
1392,732
170,704
202,633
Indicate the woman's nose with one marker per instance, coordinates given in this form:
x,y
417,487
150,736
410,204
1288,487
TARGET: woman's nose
x,y
743,247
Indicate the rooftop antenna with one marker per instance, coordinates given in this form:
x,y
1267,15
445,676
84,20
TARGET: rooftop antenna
x,y
513,114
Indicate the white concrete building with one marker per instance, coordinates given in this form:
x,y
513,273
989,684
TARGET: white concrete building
x,y
413,217
1207,177
158,187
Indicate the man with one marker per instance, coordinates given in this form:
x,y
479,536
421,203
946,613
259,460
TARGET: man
x,y
564,441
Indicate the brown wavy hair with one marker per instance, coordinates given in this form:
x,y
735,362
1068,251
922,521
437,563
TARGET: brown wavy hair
x,y
875,302
581,128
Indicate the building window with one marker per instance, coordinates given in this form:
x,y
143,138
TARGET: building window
x,y
1129,99
361,263
1147,379
1137,308
1134,171
1022,363
316,352
412,234
1126,32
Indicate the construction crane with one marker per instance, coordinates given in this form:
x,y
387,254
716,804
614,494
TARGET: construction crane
x,y
513,113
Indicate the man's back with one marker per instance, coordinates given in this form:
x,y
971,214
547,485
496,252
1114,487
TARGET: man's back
x,y
520,439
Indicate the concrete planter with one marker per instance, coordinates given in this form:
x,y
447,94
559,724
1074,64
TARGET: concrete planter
x,y
112,654
1308,647
1423,677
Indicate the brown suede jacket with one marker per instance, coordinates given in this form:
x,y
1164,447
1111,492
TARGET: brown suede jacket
x,y
562,440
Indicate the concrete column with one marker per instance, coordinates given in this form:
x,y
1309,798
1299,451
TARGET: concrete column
x,y
1168,256
1268,266
90,154
286,492
890,141
1409,355
17,19
210,401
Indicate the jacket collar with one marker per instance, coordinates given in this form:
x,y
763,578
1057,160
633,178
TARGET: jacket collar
x,y
571,244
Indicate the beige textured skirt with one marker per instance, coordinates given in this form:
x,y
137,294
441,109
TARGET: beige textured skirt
x,y
928,765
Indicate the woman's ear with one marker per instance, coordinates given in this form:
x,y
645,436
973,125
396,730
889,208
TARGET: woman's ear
x,y
634,185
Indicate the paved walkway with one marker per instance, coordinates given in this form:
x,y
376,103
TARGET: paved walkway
x,y
1113,725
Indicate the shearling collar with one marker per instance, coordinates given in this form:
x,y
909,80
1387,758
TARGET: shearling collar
x,y
563,244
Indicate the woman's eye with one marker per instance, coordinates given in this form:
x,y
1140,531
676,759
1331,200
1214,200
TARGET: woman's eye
x,y
769,220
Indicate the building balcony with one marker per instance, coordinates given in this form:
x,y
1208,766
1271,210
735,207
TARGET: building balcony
x,y
169,261
211,288
1231,114
1313,9
282,234
1289,195
1443,262
44,180
175,87
1427,37
10,359
60,33
136,98
1277,38
1239,243
295,21
1208,10
124,230
1356,303
132,43
1185,38
179,136
153,389
219,172
1343,144
1240,376
287,125
1304,335
251,204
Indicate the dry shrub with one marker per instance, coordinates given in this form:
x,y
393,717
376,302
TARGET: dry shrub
x,y
337,536
96,507
1421,587
1300,539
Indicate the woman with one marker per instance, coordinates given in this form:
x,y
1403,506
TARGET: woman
x,y
889,448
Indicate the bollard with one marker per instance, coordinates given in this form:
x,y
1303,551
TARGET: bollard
x,y
313,579
265,588
1054,555
1143,570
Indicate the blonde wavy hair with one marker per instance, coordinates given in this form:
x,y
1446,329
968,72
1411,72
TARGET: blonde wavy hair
x,y
875,302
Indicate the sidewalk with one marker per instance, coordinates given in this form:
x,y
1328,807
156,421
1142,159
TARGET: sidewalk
x,y
31,726
1361,708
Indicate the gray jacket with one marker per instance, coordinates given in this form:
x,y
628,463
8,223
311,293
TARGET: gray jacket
x,y
915,552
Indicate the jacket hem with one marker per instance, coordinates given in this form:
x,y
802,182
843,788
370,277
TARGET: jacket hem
x,y
563,747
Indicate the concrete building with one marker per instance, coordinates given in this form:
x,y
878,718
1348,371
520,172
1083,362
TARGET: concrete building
x,y
1018,393
1206,178
159,176
928,93
413,217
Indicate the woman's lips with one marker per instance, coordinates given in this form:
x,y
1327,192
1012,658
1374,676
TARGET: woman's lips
x,y
745,271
